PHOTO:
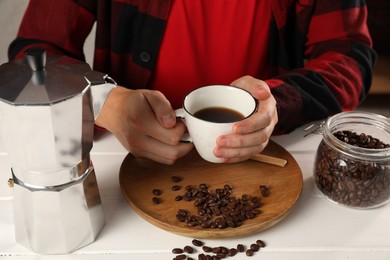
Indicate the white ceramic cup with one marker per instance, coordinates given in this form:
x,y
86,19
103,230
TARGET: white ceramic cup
x,y
205,133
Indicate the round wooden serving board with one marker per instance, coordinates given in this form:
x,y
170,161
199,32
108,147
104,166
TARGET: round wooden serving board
x,y
139,177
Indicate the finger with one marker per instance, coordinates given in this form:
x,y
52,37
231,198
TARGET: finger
x,y
154,150
162,108
239,140
234,160
168,136
158,120
259,121
265,116
143,146
258,88
238,154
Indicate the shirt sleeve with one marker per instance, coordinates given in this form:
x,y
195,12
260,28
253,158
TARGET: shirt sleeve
x,y
60,27
337,73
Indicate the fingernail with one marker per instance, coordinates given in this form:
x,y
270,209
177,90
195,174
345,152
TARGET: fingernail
x,y
168,120
238,129
217,152
222,141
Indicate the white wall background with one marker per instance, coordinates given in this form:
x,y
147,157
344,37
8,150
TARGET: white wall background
x,y
11,13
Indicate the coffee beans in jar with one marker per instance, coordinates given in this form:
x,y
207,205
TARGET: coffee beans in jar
x,y
352,165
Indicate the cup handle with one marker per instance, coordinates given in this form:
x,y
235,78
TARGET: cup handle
x,y
186,138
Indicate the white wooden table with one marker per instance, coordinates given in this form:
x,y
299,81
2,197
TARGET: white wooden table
x,y
314,229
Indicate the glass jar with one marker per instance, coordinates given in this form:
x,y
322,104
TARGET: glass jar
x,y
352,164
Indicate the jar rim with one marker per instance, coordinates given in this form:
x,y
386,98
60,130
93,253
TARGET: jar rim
x,y
379,121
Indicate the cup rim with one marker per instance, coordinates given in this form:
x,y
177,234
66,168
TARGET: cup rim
x,y
221,85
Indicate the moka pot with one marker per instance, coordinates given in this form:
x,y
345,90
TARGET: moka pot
x,y
47,112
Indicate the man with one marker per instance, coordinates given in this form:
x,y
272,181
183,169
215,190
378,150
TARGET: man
x,y
302,59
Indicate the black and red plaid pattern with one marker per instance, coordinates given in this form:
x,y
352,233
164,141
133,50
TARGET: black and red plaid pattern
x,y
320,56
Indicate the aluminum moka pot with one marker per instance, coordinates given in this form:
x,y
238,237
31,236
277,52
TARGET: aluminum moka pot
x,y
48,108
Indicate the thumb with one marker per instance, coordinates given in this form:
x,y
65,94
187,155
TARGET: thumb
x,y
258,88
162,108
262,90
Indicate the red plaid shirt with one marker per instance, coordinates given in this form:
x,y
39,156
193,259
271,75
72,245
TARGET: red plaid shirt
x,y
320,55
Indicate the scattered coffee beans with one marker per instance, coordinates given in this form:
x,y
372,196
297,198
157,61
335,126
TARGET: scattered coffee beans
x,y
219,209
216,252
350,181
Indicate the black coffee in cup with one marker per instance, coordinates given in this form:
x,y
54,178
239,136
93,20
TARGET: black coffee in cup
x,y
219,115
211,111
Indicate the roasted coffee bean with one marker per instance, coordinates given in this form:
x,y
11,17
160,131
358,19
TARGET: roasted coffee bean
x,y
249,252
261,243
178,198
197,242
180,257
183,212
176,179
156,200
232,252
176,187
180,218
255,247
203,186
189,249
205,224
216,250
156,192
177,250
264,190
220,255
224,250
240,248
207,249
187,198
231,223
245,197
227,187
202,257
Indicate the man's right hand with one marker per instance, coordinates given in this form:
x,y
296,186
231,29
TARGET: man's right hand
x,y
145,124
